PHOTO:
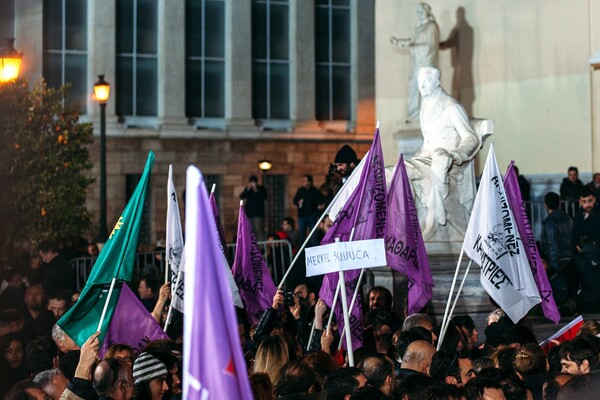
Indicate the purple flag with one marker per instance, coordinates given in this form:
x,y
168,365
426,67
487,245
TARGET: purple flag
x,y
366,212
130,312
213,363
215,211
404,245
250,271
513,194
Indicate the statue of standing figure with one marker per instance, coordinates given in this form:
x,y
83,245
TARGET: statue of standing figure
x,y
441,172
424,48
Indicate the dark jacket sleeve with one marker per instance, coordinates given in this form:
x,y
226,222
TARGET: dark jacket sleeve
x,y
265,325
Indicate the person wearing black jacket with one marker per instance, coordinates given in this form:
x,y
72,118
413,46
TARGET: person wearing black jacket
x,y
583,273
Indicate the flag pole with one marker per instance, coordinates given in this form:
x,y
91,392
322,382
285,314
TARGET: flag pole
x,y
112,286
335,297
354,296
445,328
444,321
168,320
342,286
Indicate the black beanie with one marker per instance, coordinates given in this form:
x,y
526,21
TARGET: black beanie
x,y
495,331
346,155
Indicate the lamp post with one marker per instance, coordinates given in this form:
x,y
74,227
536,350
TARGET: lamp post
x,y
264,166
101,91
10,61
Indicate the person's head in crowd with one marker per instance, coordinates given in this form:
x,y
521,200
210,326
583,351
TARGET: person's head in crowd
x,y
517,336
379,324
504,359
68,363
411,387
52,381
481,363
296,378
466,325
288,224
483,389
14,278
74,297
325,224
553,357
122,352
272,354
27,390
150,377
62,340
306,294
379,371
113,379
11,321
590,327
454,339
418,356
345,160
452,368
341,383
553,383
380,297
580,387
587,200
12,348
514,388
322,363
35,299
530,360
40,354
579,356
494,333
442,391
492,373
262,389
58,303
48,251
362,352
172,363
148,287
421,320
293,346
551,201
92,249
573,174
409,336
495,316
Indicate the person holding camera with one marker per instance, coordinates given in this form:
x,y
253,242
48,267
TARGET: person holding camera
x,y
255,196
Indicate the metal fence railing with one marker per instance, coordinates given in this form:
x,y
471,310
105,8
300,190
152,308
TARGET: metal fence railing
x,y
277,254
537,213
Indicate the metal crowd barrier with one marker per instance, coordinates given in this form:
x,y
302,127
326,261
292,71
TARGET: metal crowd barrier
x,y
277,253
537,213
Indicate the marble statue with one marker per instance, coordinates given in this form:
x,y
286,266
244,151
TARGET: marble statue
x,y
441,172
424,47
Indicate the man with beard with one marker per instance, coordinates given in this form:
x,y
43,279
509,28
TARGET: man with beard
x,y
38,319
587,219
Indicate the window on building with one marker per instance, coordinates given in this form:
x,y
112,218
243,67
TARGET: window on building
x,y
65,47
131,182
332,57
276,198
205,59
270,60
136,64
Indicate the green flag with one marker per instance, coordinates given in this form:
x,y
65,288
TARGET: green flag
x,y
116,260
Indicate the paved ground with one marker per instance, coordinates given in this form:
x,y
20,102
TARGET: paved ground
x,y
473,299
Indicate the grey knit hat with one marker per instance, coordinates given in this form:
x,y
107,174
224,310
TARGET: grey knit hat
x,y
147,367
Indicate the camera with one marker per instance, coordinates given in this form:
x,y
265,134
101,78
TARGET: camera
x,y
332,169
289,299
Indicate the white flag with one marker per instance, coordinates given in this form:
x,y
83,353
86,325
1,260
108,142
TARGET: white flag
x,y
492,241
174,247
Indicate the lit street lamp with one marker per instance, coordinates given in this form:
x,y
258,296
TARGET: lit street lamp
x,y
102,90
10,61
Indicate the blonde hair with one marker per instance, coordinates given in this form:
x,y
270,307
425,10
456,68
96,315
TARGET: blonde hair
x,y
271,356
591,327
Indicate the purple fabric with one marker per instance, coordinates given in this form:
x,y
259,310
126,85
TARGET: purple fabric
x,y
366,212
213,363
250,271
130,312
404,245
513,194
223,243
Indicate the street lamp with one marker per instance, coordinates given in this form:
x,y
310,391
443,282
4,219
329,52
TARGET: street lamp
x,y
265,165
10,61
101,91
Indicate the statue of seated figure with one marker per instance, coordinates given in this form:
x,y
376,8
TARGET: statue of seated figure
x,y
441,172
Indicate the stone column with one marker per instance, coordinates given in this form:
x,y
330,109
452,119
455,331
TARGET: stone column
x,y
363,62
238,65
171,63
28,30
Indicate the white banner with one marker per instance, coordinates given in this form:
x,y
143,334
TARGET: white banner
x,y
344,256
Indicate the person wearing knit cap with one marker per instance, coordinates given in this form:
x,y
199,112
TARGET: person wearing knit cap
x,y
344,163
150,377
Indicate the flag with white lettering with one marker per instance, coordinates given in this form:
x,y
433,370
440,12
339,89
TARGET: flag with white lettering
x,y
174,245
213,361
250,271
366,212
493,241
513,194
404,245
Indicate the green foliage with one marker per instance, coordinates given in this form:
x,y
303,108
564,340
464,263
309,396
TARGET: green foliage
x,y
44,166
